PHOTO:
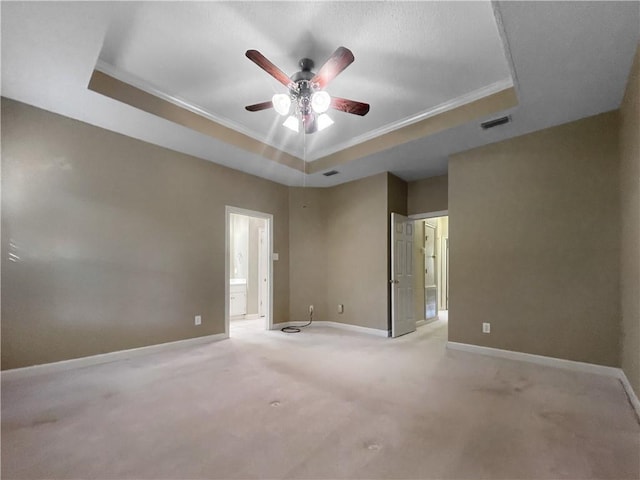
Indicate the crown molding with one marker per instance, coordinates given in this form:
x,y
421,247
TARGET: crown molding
x,y
455,103
405,122
107,68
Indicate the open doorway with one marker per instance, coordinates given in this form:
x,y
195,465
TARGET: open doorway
x,y
431,263
248,273
419,271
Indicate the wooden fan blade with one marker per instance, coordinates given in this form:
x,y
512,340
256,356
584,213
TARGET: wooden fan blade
x,y
350,106
256,107
260,60
337,62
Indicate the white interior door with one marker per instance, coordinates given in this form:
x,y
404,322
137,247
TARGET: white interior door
x,y
402,320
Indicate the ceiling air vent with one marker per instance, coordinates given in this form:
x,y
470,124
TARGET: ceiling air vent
x,y
330,173
495,122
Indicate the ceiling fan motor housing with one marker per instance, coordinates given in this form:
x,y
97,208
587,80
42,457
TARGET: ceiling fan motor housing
x,y
302,89
301,94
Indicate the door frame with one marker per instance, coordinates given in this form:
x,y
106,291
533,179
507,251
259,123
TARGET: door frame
x,y
435,268
446,283
424,216
228,210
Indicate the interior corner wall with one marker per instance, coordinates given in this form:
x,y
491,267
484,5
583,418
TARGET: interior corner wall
x,y
630,223
397,193
534,243
111,243
308,255
357,252
428,195
339,252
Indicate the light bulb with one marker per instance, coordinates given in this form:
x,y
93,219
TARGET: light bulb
x,y
324,121
320,101
291,123
281,103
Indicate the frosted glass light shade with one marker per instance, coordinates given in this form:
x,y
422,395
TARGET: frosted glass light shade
x,y
281,103
291,123
324,121
320,101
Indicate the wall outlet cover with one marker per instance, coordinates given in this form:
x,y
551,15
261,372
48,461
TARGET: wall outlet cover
x,y
340,308
486,327
198,320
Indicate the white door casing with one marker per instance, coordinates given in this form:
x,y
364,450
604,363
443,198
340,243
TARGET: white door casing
x,y
430,271
268,308
402,319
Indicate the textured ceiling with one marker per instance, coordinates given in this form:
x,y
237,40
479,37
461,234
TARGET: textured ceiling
x,y
195,52
568,60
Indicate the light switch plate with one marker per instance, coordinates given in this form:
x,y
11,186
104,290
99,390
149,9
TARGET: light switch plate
x,y
276,257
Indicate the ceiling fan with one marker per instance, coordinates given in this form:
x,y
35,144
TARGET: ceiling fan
x,y
307,91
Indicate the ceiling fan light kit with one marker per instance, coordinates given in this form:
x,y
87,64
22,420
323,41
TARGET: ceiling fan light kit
x,y
306,92
281,103
291,123
324,121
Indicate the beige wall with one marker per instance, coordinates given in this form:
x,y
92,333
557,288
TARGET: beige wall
x,y
630,233
308,253
534,243
339,250
428,195
357,240
118,243
397,193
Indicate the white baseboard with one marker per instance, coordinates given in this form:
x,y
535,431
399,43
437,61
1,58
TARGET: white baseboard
x,y
554,362
341,326
421,323
354,328
633,398
25,372
538,359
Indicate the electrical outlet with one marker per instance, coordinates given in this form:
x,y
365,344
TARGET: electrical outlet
x,y
198,320
310,308
340,308
486,327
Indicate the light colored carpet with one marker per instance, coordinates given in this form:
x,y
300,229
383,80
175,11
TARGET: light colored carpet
x,y
319,404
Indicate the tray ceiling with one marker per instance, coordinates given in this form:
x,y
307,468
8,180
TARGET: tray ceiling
x,y
432,71
411,59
